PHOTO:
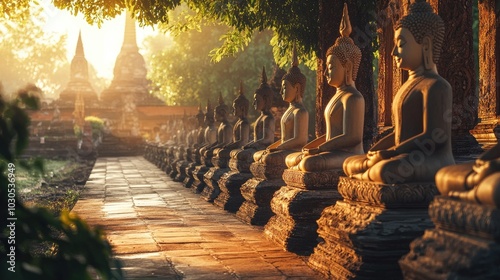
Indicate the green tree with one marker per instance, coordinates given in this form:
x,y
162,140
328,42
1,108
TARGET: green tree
x,y
76,247
39,58
184,74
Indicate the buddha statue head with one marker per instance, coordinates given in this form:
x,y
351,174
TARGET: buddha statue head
x,y
293,82
344,57
209,115
222,110
241,104
200,116
418,38
263,97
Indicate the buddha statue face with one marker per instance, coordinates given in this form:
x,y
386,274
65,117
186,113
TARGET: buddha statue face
x,y
418,38
407,53
335,73
289,91
258,102
238,111
221,112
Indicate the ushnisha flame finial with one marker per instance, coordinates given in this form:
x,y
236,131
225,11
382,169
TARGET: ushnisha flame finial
x,y
295,60
345,28
221,100
263,77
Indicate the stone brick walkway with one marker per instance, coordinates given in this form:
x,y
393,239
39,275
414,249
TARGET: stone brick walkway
x,y
161,230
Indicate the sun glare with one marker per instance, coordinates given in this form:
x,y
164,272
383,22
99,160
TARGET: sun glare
x,y
101,45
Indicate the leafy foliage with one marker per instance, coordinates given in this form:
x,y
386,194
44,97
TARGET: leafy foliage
x,y
39,58
76,246
291,21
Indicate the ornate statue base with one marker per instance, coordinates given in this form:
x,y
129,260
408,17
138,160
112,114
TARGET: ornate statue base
x,y
230,198
198,178
242,166
367,232
298,205
181,170
464,244
188,181
258,192
169,158
179,156
211,178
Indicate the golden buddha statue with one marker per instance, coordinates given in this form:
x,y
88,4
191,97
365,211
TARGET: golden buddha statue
x,y
224,132
241,129
294,121
210,132
344,113
421,142
477,182
263,133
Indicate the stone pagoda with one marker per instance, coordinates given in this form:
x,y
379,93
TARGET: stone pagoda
x,y
129,88
79,80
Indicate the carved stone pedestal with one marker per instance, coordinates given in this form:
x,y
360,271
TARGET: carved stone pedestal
x,y
211,178
298,205
258,192
169,158
230,198
256,210
181,170
464,244
242,166
367,232
173,168
198,178
188,181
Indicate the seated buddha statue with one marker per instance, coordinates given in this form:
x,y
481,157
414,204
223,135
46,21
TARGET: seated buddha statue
x,y
210,132
264,126
224,132
241,129
344,113
294,121
421,141
476,182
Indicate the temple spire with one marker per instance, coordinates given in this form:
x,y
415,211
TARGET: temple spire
x,y
129,38
79,46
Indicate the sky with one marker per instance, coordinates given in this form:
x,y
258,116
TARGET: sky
x,y
101,45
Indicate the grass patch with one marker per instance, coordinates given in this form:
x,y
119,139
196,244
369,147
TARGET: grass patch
x,y
57,188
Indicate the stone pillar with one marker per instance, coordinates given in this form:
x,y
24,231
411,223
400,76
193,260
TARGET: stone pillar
x,y
456,65
489,73
330,14
390,78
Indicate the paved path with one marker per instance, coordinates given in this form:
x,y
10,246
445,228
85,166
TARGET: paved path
x,y
161,230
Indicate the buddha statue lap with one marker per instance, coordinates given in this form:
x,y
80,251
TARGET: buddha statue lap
x,y
263,134
421,142
474,182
